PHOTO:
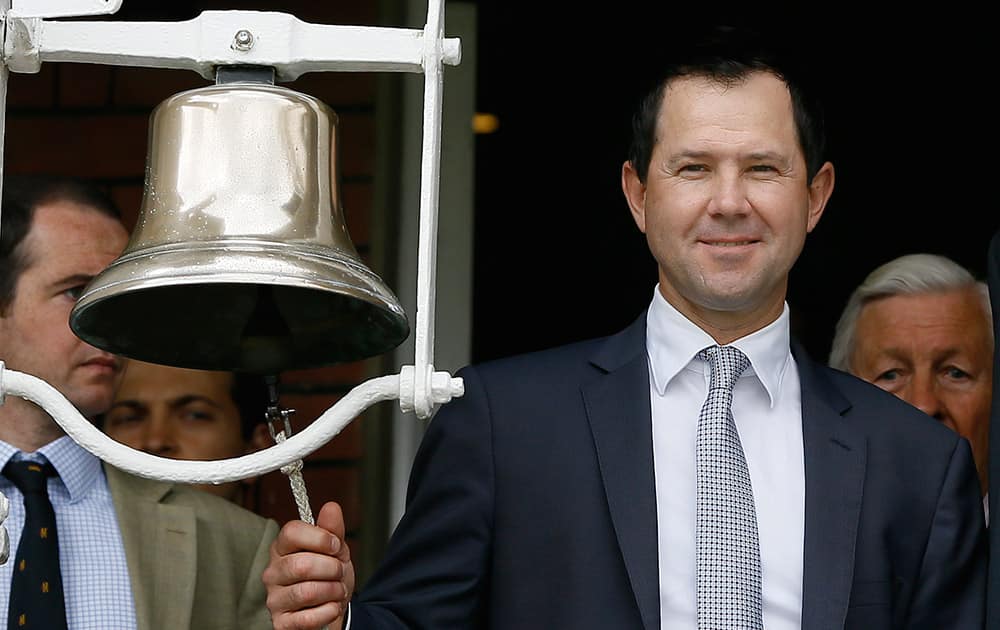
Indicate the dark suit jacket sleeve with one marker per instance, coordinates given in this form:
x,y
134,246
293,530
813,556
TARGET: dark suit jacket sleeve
x,y
949,591
435,571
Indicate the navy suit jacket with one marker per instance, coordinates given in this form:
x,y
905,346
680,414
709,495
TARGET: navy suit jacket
x,y
532,506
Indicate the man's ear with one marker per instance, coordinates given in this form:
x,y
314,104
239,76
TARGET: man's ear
x,y
635,194
259,439
820,190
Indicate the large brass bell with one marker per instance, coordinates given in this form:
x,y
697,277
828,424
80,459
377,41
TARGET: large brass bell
x,y
240,258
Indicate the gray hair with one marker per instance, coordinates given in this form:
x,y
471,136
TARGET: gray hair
x,y
906,275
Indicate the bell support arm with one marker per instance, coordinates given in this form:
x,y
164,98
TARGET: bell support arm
x,y
300,445
265,38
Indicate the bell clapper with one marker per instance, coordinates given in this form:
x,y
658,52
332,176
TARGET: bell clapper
x,y
280,427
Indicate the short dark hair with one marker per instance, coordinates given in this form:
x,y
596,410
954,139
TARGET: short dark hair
x,y
729,55
249,392
22,195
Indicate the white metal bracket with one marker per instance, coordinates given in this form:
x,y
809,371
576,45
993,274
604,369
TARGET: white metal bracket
x,y
62,8
265,38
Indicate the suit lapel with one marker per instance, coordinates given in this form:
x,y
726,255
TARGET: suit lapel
x,y
618,410
835,458
160,542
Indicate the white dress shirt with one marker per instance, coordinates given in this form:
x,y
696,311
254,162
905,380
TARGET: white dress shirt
x,y
95,575
768,413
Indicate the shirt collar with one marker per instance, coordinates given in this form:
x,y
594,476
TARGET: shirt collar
x,y
673,341
78,469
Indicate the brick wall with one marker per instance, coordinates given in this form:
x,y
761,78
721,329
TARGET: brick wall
x,y
91,121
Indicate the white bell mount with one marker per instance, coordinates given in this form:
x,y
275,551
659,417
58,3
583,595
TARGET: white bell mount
x,y
292,47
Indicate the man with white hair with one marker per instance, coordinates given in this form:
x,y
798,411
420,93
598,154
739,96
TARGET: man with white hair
x,y
920,327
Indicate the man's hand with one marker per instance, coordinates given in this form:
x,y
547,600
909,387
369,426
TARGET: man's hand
x,y
310,578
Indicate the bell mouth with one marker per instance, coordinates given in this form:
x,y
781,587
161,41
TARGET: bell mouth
x,y
250,305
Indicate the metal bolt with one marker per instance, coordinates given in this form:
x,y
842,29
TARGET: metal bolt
x,y
243,40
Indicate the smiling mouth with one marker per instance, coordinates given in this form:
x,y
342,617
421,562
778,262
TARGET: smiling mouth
x,y
729,243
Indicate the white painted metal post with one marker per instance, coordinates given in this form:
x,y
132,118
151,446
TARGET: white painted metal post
x,y
423,369
4,7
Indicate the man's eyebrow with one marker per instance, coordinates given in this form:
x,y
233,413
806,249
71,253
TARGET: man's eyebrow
x,y
894,352
949,353
940,354
773,156
73,280
130,404
187,399
687,155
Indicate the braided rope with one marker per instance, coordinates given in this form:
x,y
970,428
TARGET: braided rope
x,y
294,473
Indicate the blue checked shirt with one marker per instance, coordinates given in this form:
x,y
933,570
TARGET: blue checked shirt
x,y
91,555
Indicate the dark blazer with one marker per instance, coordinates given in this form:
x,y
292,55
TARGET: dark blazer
x,y
531,505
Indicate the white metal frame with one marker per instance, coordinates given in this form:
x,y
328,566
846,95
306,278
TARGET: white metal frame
x,y
292,47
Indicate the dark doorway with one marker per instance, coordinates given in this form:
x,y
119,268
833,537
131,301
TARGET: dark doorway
x,y
557,255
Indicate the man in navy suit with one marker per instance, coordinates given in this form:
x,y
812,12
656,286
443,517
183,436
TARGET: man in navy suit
x,y
564,489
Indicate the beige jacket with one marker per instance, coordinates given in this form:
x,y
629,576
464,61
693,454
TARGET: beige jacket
x,y
195,559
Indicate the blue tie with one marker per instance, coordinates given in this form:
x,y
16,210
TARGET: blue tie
x,y
36,591
727,547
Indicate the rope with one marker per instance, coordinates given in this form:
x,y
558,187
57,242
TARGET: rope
x,y
294,473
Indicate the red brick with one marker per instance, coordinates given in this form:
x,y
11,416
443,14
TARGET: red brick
x,y
84,84
342,485
356,199
338,89
35,91
335,374
357,151
128,199
148,86
84,146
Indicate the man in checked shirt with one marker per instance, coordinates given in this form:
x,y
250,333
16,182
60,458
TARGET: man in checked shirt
x,y
133,553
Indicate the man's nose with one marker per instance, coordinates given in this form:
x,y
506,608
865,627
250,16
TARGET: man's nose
x,y
729,195
923,394
158,438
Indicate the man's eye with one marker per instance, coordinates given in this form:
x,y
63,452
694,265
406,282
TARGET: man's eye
x,y
763,168
119,419
888,376
956,373
195,415
74,293
693,168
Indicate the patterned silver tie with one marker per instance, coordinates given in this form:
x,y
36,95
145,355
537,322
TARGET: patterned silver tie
x,y
727,547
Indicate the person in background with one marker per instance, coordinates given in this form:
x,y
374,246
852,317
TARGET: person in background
x,y
129,553
190,414
920,326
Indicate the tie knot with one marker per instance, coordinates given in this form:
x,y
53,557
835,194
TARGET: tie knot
x,y
728,363
29,477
